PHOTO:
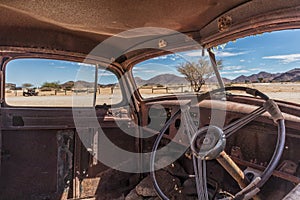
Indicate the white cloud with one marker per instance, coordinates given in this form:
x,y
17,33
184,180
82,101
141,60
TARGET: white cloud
x,y
160,58
232,67
85,65
226,72
218,53
148,71
196,54
288,58
255,69
240,71
228,54
242,60
106,74
235,72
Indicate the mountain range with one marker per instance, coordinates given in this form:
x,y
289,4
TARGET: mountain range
x,y
291,75
171,79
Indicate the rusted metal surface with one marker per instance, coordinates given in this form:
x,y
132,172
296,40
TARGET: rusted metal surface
x,y
68,160
42,23
254,17
288,166
0,150
65,144
276,173
93,178
31,167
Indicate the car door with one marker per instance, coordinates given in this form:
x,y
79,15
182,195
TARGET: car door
x,y
45,154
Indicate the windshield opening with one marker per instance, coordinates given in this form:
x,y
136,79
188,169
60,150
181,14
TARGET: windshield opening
x,y
177,73
269,62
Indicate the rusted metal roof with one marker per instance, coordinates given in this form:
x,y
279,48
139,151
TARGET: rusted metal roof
x,y
78,26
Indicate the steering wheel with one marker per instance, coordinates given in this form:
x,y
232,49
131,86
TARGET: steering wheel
x,y
209,142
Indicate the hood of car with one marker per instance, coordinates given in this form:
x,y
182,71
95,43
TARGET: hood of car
x,y
78,26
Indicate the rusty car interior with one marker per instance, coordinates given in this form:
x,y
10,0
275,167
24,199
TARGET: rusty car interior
x,y
223,145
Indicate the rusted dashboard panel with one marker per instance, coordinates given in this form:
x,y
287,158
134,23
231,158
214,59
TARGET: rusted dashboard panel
x,y
251,147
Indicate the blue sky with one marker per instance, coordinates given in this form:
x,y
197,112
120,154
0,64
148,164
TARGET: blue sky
x,y
271,52
38,71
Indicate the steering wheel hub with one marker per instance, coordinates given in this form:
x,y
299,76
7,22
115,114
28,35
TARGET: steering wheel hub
x,y
208,142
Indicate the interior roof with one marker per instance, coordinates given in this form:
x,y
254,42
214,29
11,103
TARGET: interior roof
x,y
78,26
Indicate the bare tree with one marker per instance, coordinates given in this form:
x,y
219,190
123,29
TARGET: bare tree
x,y
260,79
197,73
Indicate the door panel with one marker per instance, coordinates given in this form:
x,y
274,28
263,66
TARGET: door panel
x,y
29,164
43,156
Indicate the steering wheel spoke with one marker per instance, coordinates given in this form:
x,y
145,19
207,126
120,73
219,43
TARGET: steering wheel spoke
x,y
200,177
238,124
233,169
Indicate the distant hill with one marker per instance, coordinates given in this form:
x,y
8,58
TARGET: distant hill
x,y
171,79
139,81
67,85
291,75
255,77
83,84
162,79
214,80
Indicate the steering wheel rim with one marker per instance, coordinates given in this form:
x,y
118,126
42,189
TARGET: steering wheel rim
x,y
254,187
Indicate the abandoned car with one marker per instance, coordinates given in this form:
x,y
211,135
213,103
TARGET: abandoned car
x,y
30,92
150,99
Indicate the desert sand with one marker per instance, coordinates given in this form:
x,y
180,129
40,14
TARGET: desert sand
x,y
281,91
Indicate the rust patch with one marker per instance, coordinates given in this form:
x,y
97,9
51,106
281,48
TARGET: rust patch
x,y
224,23
89,186
64,159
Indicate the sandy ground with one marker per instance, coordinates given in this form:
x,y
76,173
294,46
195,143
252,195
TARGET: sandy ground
x,y
63,100
282,91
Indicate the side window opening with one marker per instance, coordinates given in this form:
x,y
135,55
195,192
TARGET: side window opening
x,y
38,82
